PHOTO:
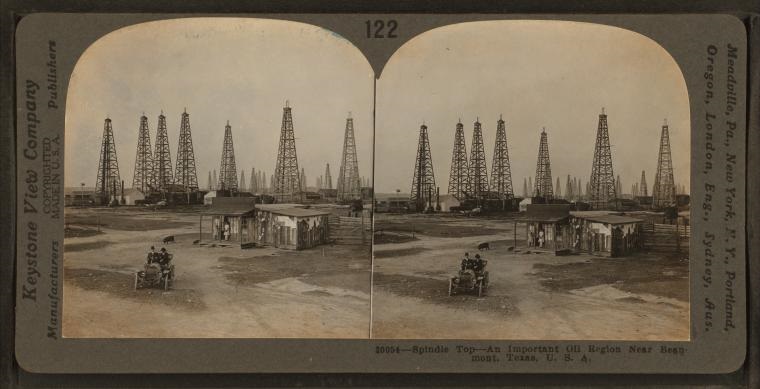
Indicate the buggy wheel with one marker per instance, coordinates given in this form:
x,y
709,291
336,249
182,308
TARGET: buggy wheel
x,y
480,289
137,278
451,287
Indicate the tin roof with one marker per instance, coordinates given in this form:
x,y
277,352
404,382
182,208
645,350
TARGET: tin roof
x,y
299,212
546,212
235,206
609,219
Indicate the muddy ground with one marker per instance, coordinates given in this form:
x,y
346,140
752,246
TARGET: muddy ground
x,y
531,295
219,291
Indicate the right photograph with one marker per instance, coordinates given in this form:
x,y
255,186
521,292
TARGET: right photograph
x,y
531,183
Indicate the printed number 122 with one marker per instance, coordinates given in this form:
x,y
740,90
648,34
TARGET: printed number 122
x,y
376,29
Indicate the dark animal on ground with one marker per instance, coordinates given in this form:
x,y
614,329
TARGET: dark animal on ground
x,y
196,241
169,238
510,248
484,246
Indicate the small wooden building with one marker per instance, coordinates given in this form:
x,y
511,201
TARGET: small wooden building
x,y
547,227
290,226
610,235
232,220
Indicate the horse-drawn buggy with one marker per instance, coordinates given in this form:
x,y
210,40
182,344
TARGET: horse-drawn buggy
x,y
472,278
156,273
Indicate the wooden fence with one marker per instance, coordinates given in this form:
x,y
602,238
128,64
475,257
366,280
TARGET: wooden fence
x,y
350,230
666,237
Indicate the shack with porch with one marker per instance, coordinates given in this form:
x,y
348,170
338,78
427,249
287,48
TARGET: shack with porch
x,y
606,234
548,228
232,221
291,226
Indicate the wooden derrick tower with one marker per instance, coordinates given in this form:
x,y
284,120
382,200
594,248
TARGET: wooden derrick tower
x,y
602,187
143,178
543,182
286,185
459,175
109,180
423,183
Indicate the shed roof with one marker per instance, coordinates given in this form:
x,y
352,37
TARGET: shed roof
x,y
546,212
234,206
610,219
297,212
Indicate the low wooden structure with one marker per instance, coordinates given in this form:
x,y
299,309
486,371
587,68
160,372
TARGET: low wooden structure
x,y
232,221
547,227
291,226
606,234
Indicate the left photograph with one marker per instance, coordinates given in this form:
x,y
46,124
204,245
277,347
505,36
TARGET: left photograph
x,y
218,183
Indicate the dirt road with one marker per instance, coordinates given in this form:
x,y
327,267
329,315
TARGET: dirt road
x,y
219,292
532,296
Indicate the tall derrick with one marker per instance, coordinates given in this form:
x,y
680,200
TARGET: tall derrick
x,y
242,186
286,179
664,191
215,181
558,189
228,170
162,158
108,167
185,175
501,172
531,188
264,187
602,184
254,185
478,168
618,186
525,187
349,181
544,169
328,178
210,186
459,175
569,194
143,178
423,183
303,179
643,185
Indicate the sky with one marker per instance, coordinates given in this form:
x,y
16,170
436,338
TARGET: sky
x,y
537,74
219,69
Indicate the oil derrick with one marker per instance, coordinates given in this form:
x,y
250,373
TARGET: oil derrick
x,y
264,187
185,175
162,159
215,182
459,176
286,179
228,170
254,185
569,195
210,185
303,179
478,169
242,186
525,187
544,169
643,185
664,191
501,172
618,186
603,188
328,178
531,188
423,183
349,181
108,166
558,190
143,178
